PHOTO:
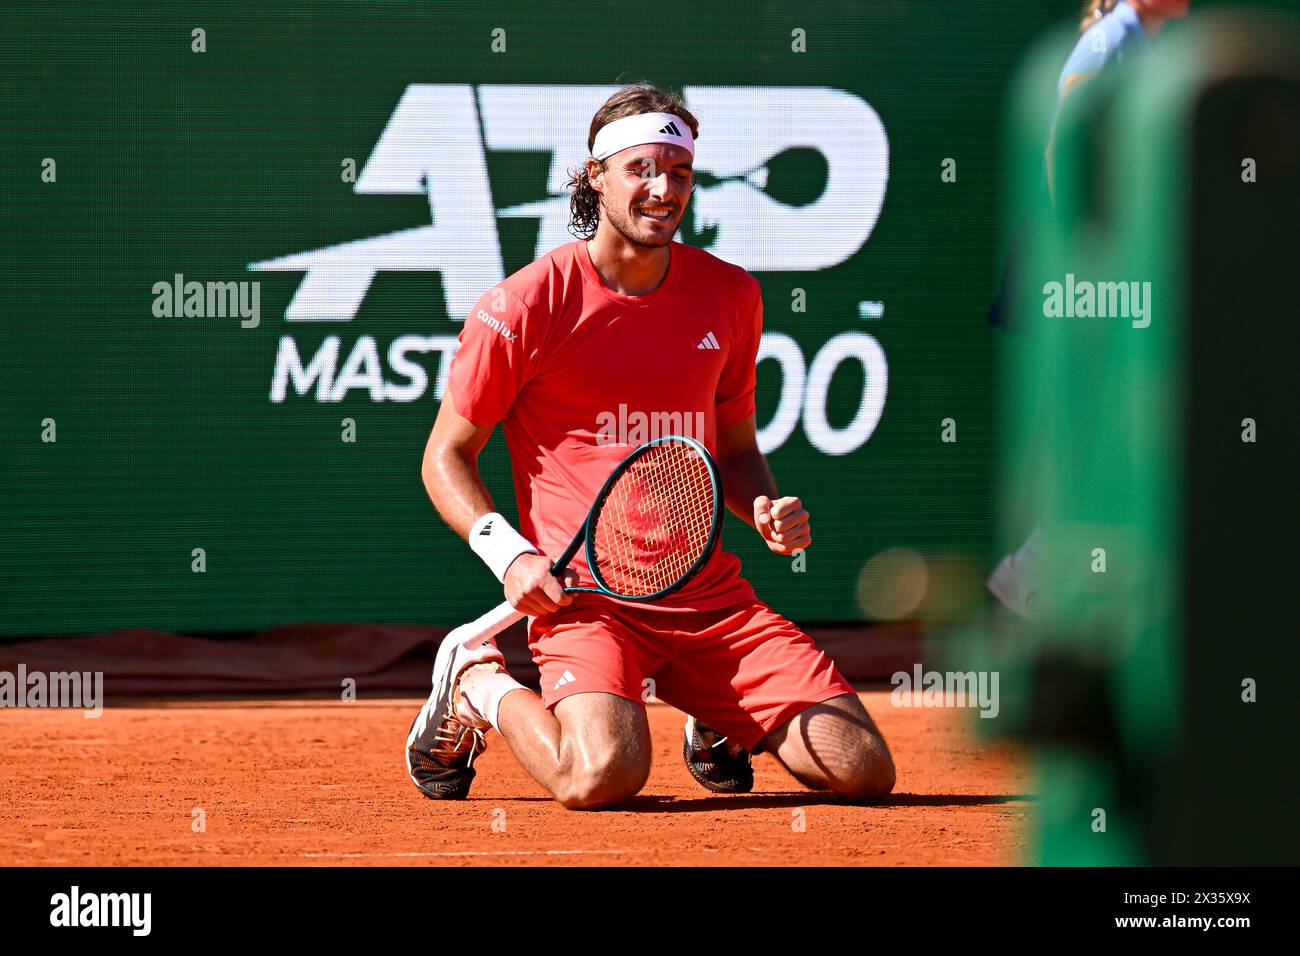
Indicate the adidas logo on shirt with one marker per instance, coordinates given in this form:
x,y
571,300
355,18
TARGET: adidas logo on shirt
x,y
671,129
709,341
565,678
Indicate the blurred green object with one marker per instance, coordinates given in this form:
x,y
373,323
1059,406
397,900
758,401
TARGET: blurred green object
x,y
1111,432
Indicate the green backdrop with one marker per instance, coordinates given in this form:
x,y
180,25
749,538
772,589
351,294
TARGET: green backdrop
x,y
223,165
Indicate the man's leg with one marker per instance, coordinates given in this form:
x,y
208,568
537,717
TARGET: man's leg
x,y
587,740
835,746
593,751
754,676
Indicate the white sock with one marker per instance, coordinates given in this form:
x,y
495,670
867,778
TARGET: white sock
x,y
484,689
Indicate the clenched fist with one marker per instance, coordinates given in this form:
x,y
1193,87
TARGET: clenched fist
x,y
782,523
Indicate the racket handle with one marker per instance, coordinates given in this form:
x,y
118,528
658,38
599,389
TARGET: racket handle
x,y
487,626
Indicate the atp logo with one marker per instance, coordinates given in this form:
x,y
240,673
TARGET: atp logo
x,y
789,179
432,146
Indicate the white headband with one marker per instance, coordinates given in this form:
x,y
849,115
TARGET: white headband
x,y
640,129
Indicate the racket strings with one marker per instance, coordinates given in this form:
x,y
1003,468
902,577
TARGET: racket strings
x,y
656,521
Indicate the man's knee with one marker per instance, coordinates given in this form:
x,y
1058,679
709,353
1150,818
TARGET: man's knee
x,y
869,777
862,770
836,746
602,780
604,750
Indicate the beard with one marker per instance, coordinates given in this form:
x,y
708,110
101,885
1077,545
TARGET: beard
x,y
626,226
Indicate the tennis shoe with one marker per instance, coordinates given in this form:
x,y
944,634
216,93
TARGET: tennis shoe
x,y
715,762
447,734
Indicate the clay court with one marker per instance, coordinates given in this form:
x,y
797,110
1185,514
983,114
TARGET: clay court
x,y
306,782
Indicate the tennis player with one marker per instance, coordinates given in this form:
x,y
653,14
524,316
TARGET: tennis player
x,y
624,322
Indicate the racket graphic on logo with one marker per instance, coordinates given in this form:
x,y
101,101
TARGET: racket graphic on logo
x,y
652,527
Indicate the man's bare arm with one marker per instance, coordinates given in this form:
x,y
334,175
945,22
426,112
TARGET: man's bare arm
x,y
451,478
752,494
745,474
450,468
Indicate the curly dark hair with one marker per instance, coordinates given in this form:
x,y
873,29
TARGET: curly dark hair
x,y
584,201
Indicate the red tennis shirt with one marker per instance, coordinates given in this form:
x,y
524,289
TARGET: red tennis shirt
x,y
579,375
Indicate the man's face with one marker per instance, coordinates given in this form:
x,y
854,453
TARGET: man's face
x,y
644,191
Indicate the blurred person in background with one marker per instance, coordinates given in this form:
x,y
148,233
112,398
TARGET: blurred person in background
x,y
1110,32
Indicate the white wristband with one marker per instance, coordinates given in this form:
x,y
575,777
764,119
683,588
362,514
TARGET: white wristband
x,y
493,540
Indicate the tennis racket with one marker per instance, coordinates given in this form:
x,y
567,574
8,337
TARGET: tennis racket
x,y
653,526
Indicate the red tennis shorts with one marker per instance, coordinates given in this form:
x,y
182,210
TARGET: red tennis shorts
x,y
743,671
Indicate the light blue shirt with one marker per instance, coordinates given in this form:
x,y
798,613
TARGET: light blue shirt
x,y
1117,35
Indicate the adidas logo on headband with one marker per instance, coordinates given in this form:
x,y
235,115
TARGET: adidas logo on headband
x,y
640,129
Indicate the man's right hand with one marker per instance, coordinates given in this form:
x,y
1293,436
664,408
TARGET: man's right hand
x,y
531,588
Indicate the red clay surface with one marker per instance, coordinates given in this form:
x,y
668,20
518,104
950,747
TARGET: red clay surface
x,y
323,782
